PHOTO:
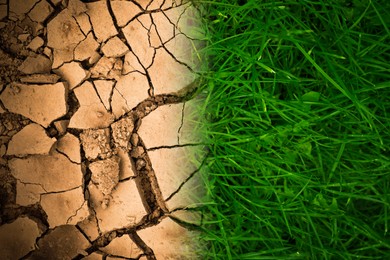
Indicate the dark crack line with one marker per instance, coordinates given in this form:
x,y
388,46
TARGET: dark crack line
x,y
83,233
28,12
181,123
197,209
143,26
174,25
127,179
100,98
62,191
187,179
137,4
97,221
173,146
178,61
158,33
77,211
150,104
111,94
186,225
143,246
78,44
81,30
147,184
127,105
27,256
31,183
67,157
152,27
151,1
104,239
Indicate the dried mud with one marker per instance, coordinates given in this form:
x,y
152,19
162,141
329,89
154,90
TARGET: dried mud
x,y
98,158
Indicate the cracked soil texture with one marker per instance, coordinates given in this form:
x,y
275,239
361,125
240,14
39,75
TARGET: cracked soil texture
x,y
98,155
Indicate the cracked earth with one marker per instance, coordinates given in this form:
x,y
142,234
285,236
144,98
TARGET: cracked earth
x,y
99,153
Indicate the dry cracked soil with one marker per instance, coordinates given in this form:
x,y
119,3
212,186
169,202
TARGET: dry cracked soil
x,y
99,154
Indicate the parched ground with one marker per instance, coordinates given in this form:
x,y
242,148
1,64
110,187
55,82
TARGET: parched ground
x,y
99,159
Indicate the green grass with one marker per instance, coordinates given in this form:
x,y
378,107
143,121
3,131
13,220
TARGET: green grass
x,y
297,103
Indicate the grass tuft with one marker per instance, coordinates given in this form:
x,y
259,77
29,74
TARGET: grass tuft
x,y
297,98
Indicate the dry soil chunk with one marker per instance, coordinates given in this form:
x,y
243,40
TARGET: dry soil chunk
x,y
84,23
125,167
161,127
35,44
173,166
92,113
125,208
169,80
60,56
53,172
86,49
137,36
122,246
22,99
41,79
32,139
89,226
104,89
124,11
64,242
165,28
114,48
38,64
101,20
169,240
76,7
18,238
61,126
191,194
96,143
103,67
63,31
130,90
116,71
131,64
27,194
121,132
184,50
41,11
73,73
189,22
70,146
62,208
105,174
18,8
23,37
3,150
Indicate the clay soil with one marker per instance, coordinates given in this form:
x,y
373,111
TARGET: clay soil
x,y
99,158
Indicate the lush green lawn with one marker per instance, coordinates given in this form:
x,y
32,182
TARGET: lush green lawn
x,y
297,107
